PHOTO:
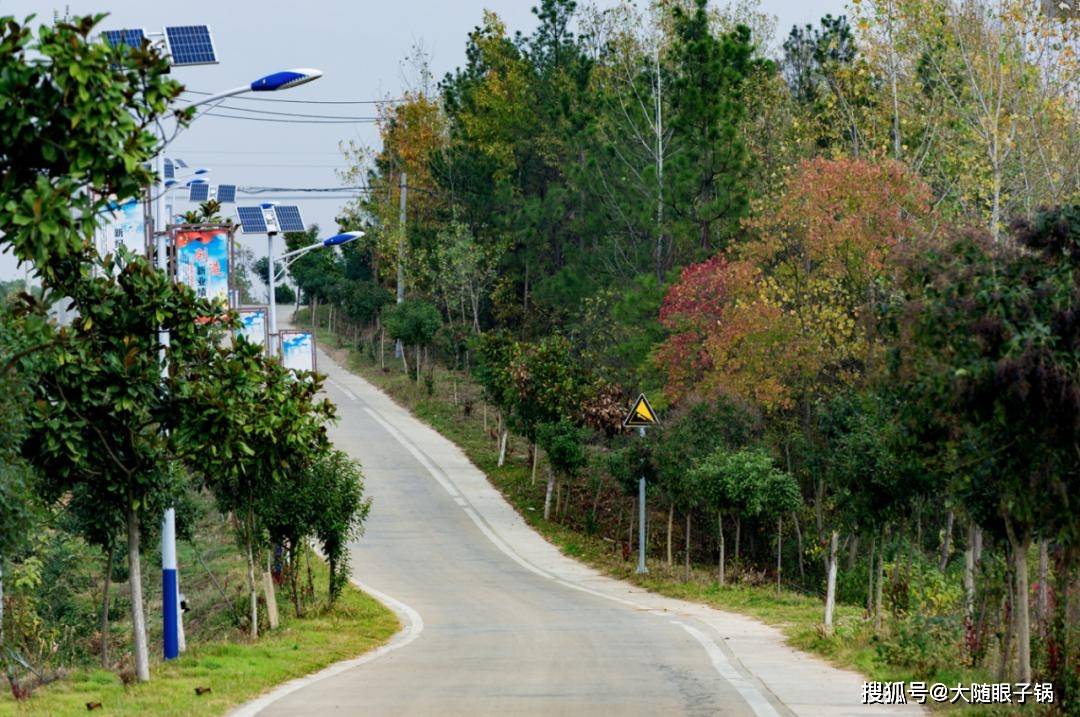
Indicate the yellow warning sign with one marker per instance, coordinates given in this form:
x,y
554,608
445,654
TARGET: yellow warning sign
x,y
642,414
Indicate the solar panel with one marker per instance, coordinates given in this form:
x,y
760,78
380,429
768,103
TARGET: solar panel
x,y
199,193
170,169
180,163
226,193
132,37
190,45
251,220
288,218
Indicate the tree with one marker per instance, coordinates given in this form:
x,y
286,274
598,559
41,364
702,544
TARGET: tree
x,y
563,444
340,513
545,386
688,434
255,423
709,166
413,321
745,483
82,122
322,500
101,417
992,330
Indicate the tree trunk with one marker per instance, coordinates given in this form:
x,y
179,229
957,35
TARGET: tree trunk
x,y
830,583
687,573
535,457
779,552
418,362
870,577
738,538
670,525
720,533
1023,614
799,546
1044,570
294,574
853,552
382,349
502,447
969,573
548,492
268,592
880,580
252,589
138,617
946,541
558,498
633,515
106,583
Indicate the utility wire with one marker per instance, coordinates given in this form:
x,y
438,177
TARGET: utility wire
x,y
309,102
286,121
295,114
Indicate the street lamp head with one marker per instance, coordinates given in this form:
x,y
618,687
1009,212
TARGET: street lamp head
x,y
342,238
170,183
267,205
195,181
285,79
202,170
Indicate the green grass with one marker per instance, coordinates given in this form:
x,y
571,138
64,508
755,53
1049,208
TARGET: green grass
x,y
853,644
234,670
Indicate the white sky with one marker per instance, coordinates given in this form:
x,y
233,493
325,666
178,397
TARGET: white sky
x,y
358,45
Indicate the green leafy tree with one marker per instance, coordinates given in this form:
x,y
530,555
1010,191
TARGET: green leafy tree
x,y
709,167
744,483
412,322
563,442
255,423
341,510
688,434
546,386
101,420
76,119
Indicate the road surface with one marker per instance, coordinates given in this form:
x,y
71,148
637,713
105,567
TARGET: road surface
x,y
498,622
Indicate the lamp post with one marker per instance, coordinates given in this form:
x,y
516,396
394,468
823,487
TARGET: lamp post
x,y
173,631
288,258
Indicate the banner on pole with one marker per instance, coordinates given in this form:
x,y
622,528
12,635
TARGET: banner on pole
x,y
298,350
202,259
124,225
255,325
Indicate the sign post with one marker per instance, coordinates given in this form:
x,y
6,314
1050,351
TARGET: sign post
x,y
641,416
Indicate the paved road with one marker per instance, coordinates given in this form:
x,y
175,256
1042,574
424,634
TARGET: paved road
x,y
504,625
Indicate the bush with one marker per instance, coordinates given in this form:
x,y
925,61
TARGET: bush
x,y
284,294
926,644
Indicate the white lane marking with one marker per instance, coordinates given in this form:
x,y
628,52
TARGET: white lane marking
x,y
721,664
349,394
744,687
414,625
407,445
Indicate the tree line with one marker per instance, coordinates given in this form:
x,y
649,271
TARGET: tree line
x,y
106,424
845,271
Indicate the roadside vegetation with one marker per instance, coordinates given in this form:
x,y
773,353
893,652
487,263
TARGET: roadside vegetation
x,y
104,425
221,667
841,262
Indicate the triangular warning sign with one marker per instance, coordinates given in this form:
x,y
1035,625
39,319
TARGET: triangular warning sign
x,y
642,414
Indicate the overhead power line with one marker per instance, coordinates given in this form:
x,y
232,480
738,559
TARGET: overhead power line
x,y
308,102
287,121
294,114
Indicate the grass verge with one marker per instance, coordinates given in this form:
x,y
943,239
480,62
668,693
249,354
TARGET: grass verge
x,y
234,671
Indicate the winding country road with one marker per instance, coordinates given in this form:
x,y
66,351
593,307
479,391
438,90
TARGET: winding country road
x,y
498,622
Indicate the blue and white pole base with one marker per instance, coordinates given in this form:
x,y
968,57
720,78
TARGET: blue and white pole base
x,y
170,590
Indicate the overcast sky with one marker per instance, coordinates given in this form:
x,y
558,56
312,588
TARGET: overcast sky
x,y
359,46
